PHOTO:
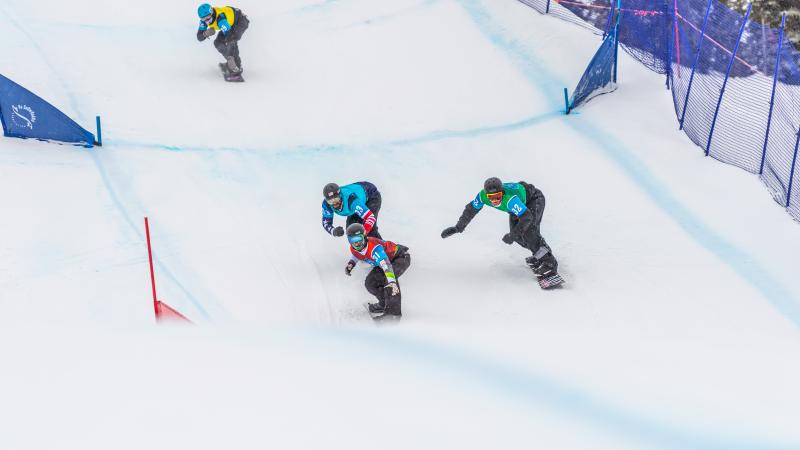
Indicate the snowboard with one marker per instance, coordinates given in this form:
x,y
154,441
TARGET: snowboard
x,y
226,73
550,282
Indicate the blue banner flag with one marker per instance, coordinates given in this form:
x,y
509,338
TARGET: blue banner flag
x,y
600,76
25,115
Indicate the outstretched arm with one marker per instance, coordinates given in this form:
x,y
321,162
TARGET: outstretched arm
x,y
327,221
350,265
470,211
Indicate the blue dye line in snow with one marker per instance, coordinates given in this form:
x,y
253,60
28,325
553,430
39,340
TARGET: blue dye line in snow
x,y
740,261
302,150
538,391
98,164
73,101
316,6
390,16
476,132
136,229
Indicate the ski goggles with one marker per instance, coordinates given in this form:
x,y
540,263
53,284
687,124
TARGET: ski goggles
x,y
336,199
356,239
495,197
208,20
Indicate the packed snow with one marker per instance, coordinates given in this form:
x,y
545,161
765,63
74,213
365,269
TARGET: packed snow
x,y
678,326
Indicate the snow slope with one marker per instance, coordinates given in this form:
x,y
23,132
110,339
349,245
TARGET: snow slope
x,y
678,327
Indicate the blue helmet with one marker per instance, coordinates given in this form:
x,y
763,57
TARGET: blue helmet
x,y
204,10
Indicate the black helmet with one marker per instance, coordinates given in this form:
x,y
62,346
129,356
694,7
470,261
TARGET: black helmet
x,y
330,191
492,185
357,235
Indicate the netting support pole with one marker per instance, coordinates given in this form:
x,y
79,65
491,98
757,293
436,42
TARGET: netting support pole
x,y
791,174
772,98
694,65
616,38
547,8
669,55
727,74
677,39
608,22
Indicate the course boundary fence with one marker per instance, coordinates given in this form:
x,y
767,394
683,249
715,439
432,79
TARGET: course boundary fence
x,y
735,83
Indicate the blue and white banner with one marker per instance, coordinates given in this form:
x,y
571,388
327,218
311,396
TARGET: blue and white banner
x,y
25,115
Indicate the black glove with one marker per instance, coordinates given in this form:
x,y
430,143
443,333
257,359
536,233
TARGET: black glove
x,y
508,239
449,231
209,32
349,267
338,231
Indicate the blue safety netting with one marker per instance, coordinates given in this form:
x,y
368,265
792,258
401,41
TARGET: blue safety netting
x,y
599,77
728,96
25,115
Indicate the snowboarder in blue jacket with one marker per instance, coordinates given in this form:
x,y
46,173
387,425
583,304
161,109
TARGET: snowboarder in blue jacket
x,y
360,202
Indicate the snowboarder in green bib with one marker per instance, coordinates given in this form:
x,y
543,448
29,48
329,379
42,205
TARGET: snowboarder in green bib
x,y
525,206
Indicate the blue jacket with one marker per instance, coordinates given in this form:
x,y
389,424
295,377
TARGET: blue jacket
x,y
354,201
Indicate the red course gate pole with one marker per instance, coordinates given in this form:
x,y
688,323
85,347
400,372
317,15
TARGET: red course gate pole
x,y
152,273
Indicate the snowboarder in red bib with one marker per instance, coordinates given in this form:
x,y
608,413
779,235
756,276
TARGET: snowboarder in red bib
x,y
231,23
389,261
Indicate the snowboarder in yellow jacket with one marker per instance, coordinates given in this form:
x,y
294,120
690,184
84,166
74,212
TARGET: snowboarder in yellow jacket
x,y
231,24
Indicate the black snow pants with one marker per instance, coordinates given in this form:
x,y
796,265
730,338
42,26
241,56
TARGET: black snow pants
x,y
542,259
228,44
376,280
374,205
532,238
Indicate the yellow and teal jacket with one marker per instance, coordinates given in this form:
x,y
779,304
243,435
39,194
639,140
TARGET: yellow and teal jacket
x,y
224,20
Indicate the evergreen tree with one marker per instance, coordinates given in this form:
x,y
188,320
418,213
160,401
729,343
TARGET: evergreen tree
x,y
769,12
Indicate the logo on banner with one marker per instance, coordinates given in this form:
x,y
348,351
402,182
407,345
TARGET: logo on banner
x,y
23,116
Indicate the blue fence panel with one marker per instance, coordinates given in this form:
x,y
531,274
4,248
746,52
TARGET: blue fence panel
x,y
686,42
25,115
727,77
756,122
598,78
722,34
644,31
793,204
782,131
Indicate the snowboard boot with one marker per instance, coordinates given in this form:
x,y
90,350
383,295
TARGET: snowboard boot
x,y
543,263
377,308
233,68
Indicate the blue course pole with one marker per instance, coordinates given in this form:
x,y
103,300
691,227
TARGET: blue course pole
x,y
727,74
566,101
99,142
694,65
610,16
547,8
772,99
791,174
